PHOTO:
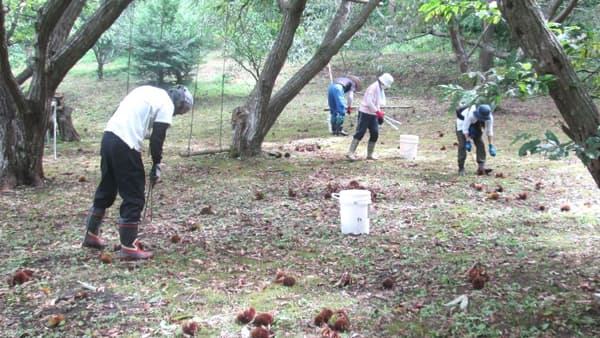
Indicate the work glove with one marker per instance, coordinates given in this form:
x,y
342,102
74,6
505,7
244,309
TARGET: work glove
x,y
468,145
380,116
349,111
154,174
492,150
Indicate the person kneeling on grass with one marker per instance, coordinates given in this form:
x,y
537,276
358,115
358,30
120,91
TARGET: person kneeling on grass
x,y
470,123
146,112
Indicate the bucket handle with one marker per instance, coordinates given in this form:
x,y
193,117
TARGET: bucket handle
x,y
335,195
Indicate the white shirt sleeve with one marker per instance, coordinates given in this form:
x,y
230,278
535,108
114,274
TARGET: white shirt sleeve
x,y
489,126
349,98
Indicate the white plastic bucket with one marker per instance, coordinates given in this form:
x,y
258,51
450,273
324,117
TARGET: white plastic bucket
x,y
408,146
354,210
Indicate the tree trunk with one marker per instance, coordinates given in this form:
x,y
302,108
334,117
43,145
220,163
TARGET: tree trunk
x,y
458,46
24,117
18,141
100,70
65,125
252,121
486,56
574,103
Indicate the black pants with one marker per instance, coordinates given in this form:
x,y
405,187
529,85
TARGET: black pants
x,y
477,137
122,172
367,121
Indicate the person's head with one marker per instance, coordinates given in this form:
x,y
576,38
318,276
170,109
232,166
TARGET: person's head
x,y
386,80
483,112
182,99
357,82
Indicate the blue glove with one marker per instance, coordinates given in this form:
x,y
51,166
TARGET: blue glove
x,y
492,150
468,145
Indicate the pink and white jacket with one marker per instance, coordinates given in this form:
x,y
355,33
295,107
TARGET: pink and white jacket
x,y
373,99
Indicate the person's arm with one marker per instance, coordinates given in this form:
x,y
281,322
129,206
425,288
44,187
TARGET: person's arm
x,y
157,138
468,114
349,99
489,129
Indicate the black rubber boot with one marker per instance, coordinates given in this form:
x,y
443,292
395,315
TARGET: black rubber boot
x,y
93,221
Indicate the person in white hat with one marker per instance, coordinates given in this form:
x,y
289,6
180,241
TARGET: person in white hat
x,y
370,115
146,112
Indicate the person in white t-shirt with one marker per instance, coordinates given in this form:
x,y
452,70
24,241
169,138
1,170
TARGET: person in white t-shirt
x,y
145,113
470,123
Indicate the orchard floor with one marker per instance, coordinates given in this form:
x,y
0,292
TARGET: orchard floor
x,y
222,229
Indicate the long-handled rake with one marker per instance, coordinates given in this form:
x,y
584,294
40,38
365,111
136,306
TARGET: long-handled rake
x,y
148,203
392,122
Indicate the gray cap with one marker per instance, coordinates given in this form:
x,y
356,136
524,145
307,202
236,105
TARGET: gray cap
x,y
182,99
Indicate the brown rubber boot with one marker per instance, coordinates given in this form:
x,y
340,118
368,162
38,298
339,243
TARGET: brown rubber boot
x,y
134,253
93,241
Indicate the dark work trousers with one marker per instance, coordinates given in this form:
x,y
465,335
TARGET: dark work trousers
x,y
367,122
122,172
477,138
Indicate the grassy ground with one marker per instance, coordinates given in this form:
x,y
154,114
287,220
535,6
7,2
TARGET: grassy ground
x,y
222,228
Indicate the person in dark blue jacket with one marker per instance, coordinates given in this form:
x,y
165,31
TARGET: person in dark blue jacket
x,y
340,94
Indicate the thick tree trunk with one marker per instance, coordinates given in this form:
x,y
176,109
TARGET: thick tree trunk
x,y
252,122
24,117
18,141
574,103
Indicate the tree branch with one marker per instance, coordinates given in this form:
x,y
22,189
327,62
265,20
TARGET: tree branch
x,y
491,49
553,9
278,54
65,25
51,14
5,69
478,41
320,59
565,13
84,39
24,75
336,24
15,21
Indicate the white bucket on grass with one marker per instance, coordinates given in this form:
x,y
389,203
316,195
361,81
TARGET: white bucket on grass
x,y
408,146
354,210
